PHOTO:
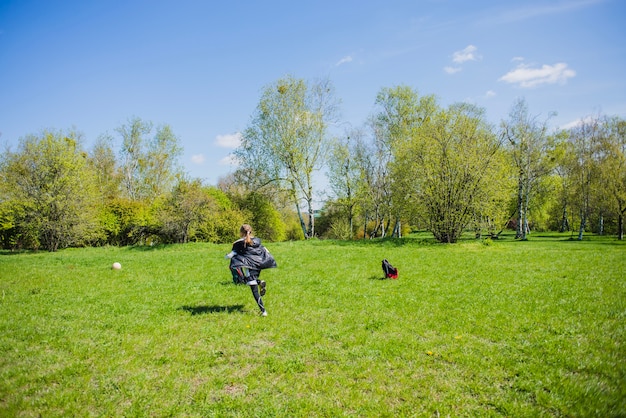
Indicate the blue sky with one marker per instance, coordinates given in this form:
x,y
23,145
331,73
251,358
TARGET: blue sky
x,y
200,66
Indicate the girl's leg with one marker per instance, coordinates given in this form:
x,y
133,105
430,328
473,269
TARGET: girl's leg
x,y
254,287
257,297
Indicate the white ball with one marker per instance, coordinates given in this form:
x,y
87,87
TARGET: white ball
x,y
116,266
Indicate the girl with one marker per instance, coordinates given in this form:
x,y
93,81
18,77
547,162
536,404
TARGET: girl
x,y
247,258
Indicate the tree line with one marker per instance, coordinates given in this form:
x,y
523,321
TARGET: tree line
x,y
54,193
413,164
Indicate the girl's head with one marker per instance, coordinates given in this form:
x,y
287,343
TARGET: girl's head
x,y
246,233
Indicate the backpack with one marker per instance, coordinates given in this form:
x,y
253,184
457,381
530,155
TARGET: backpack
x,y
390,271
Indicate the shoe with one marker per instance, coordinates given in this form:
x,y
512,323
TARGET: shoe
x,y
262,286
264,313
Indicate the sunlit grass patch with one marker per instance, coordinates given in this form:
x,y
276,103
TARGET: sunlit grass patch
x,y
512,328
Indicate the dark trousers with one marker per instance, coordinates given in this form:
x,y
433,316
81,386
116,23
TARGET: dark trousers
x,y
244,275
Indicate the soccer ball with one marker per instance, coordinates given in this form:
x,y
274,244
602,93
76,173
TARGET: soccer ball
x,y
116,266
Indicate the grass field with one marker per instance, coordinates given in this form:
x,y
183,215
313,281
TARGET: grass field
x,y
535,328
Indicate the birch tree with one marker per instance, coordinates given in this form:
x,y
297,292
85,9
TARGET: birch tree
x,y
344,172
400,114
585,139
527,142
148,163
612,168
287,140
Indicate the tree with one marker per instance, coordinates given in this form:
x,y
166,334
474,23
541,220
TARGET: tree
x,y
584,139
264,216
344,174
148,165
161,169
186,208
287,139
451,162
104,166
51,190
563,153
401,113
612,167
528,146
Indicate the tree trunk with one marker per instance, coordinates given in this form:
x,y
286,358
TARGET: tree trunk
x,y
520,209
311,228
365,227
397,229
351,221
564,221
526,211
309,202
601,226
620,225
294,196
583,221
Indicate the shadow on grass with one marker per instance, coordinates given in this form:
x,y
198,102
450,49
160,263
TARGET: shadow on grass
x,y
204,309
379,278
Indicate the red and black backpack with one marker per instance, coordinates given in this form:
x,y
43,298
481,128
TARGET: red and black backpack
x,y
390,271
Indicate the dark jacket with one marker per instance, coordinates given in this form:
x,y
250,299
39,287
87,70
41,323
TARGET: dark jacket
x,y
254,256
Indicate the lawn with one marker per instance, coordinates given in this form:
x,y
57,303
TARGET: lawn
x,y
502,328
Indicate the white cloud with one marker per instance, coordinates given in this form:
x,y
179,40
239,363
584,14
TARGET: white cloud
x,y
230,159
490,93
229,140
577,123
467,54
344,60
452,70
527,77
197,159
517,59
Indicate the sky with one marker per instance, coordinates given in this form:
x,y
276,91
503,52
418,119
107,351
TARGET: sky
x,y
201,66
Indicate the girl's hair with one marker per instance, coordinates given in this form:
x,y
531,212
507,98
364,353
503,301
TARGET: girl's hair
x,y
247,230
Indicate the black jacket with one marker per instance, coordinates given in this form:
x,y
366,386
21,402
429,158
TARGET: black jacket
x,y
254,256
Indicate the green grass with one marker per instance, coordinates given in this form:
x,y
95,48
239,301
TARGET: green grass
x,y
535,328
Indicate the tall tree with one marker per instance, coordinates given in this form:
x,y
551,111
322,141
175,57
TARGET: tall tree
x,y
564,155
287,140
148,164
344,173
612,168
52,190
105,169
528,144
585,139
134,137
186,208
161,168
450,166
400,114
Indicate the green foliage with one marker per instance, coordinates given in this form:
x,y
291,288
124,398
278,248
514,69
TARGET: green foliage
x,y
193,212
51,192
532,328
293,230
14,233
186,208
287,140
148,163
451,168
128,222
265,219
333,222
104,166
530,151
